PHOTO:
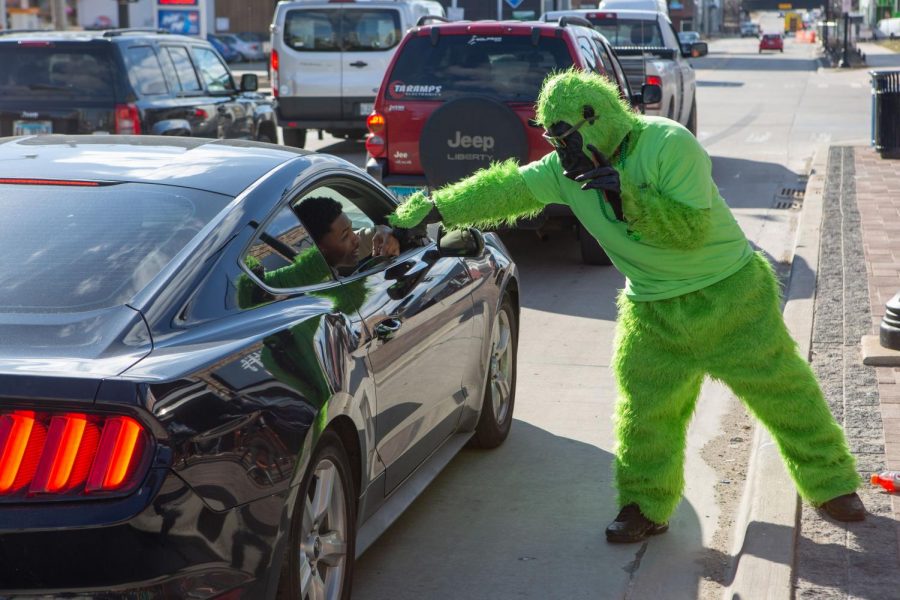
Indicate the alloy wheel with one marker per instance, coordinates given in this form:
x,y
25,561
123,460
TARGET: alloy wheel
x,y
501,366
323,535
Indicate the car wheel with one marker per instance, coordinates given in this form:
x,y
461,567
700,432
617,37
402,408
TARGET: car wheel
x,y
692,119
500,391
670,114
592,253
266,136
322,545
294,137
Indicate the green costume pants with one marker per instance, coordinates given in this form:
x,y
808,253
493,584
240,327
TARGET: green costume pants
x,y
734,332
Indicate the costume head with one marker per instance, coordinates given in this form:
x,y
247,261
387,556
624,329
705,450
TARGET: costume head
x,y
589,102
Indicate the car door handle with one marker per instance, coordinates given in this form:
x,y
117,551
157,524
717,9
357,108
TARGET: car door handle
x,y
359,64
387,328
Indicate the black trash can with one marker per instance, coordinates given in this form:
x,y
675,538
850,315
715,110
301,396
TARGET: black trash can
x,y
886,112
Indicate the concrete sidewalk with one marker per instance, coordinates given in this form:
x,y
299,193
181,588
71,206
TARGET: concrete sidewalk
x,y
846,266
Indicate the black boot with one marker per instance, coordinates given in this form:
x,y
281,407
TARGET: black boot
x,y
848,507
632,526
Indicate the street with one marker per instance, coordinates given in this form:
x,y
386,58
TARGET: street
x,y
526,520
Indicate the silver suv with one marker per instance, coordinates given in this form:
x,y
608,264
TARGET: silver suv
x,y
328,59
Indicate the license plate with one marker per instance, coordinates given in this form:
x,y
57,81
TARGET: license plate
x,y
32,127
405,191
366,107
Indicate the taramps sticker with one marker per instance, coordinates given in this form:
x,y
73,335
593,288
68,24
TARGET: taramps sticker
x,y
398,89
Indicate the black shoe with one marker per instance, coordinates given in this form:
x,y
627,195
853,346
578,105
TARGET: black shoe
x,y
631,526
848,507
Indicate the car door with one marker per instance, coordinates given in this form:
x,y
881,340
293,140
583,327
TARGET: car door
x,y
417,315
200,108
216,78
369,37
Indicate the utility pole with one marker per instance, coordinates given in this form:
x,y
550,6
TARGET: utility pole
x,y
57,14
123,14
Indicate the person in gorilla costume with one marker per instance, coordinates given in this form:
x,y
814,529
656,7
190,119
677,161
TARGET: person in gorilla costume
x,y
698,300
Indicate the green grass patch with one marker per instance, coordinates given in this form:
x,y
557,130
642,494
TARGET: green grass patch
x,y
893,45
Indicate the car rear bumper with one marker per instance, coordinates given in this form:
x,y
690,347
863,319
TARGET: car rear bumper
x,y
174,547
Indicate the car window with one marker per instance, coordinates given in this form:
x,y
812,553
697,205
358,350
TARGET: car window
x,y
614,70
588,54
629,32
145,72
56,71
213,71
370,29
312,30
510,67
183,67
70,249
283,256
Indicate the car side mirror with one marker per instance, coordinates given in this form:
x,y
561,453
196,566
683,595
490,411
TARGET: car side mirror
x,y
460,242
651,93
699,49
249,82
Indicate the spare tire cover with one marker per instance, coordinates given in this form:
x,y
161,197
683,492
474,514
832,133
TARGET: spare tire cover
x,y
468,134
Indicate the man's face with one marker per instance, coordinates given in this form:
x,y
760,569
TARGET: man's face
x,y
340,245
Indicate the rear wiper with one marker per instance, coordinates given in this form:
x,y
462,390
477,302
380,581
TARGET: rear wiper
x,y
51,86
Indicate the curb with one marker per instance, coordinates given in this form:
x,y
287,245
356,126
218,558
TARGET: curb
x,y
765,526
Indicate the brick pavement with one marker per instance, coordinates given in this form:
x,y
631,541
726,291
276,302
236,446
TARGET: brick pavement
x,y
878,201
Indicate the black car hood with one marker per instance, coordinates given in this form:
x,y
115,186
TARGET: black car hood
x,y
86,345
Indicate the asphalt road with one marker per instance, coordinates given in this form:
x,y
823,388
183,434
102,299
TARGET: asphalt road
x,y
526,520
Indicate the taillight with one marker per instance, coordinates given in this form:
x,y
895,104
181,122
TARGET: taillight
x,y
375,141
273,71
71,455
654,80
128,119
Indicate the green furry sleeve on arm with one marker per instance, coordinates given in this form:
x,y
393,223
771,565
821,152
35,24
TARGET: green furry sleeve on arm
x,y
663,221
488,198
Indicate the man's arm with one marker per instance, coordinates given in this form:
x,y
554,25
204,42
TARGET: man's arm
x,y
488,198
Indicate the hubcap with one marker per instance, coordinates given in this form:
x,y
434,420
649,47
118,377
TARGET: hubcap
x,y
323,535
501,367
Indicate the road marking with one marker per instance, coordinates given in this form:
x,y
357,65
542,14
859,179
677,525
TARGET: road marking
x,y
758,138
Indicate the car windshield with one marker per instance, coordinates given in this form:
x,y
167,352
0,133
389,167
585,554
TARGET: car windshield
x,y
70,249
629,32
55,71
509,66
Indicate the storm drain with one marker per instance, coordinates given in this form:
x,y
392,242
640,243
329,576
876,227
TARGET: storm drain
x,y
789,198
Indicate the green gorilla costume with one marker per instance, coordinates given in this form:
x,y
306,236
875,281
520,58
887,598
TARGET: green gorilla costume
x,y
698,301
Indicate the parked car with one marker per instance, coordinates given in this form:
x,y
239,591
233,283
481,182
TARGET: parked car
x,y
887,29
125,82
224,48
193,404
328,59
749,29
260,38
649,50
247,50
459,96
771,41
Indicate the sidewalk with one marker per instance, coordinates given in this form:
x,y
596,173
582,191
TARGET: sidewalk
x,y
846,266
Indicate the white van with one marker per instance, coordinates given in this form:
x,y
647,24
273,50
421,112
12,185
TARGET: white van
x,y
328,59
656,5
887,28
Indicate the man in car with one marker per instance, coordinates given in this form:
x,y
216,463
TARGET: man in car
x,y
698,301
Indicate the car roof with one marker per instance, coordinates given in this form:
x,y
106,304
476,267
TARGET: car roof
x,y
88,36
553,15
168,160
489,26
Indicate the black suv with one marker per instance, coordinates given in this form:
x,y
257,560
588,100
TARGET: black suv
x,y
128,82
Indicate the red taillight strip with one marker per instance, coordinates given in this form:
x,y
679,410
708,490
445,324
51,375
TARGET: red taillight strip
x,y
70,182
60,450
118,446
15,429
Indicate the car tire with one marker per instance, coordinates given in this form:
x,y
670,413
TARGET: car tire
x,y
311,534
592,253
477,131
499,398
692,118
266,137
294,137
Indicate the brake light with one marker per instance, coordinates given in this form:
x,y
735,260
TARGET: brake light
x,y
71,454
654,80
601,15
273,71
376,145
128,119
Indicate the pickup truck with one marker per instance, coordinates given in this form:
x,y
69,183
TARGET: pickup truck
x,y
649,51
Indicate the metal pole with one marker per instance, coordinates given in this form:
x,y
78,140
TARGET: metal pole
x,y
123,14
845,57
3,15
499,10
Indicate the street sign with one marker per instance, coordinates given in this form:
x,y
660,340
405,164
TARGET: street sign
x,y
785,6
514,3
